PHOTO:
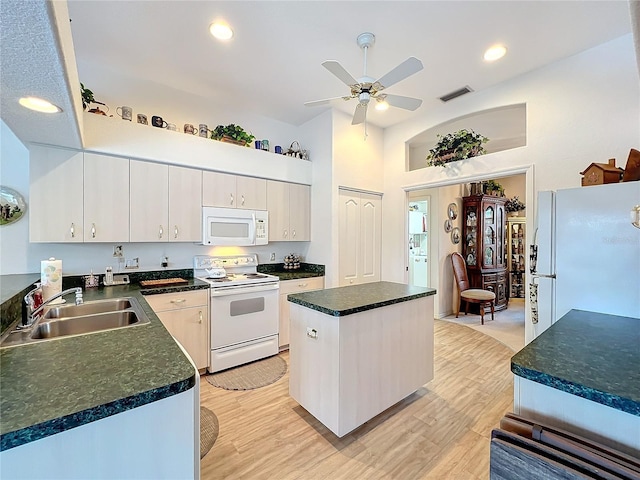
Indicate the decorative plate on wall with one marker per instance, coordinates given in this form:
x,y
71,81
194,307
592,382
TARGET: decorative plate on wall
x,y
12,205
455,235
448,226
452,211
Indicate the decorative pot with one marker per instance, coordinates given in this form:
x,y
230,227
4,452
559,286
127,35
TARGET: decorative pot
x,y
226,139
513,214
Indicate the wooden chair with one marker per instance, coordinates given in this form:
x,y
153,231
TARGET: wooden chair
x,y
470,295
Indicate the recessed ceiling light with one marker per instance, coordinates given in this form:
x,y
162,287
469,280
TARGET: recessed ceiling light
x,y
495,53
221,31
39,105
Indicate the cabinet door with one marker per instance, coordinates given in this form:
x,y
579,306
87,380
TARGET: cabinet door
x,y
251,193
299,212
55,195
278,206
149,201
370,237
293,286
106,198
349,238
189,327
185,204
218,189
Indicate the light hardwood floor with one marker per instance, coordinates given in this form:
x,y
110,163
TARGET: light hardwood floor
x,y
440,432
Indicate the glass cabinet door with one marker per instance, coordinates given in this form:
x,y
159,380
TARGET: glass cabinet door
x,y
471,238
489,257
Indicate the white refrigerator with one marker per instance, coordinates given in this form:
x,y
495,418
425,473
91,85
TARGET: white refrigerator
x,y
585,254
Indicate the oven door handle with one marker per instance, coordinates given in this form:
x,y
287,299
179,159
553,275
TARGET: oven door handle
x,y
240,289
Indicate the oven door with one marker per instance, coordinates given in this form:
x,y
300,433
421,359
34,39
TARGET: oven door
x,y
243,313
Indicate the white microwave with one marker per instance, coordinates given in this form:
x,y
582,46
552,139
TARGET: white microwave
x,y
234,226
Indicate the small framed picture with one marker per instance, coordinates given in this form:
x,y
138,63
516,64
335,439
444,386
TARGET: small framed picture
x,y
448,226
452,211
12,206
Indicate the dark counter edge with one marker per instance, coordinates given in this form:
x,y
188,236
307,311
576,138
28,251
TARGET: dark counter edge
x,y
363,308
36,432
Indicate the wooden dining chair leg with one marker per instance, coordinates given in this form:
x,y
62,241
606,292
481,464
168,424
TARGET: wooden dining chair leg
x,y
482,314
492,310
466,307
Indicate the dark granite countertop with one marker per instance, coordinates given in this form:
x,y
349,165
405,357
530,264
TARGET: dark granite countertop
x,y
306,270
591,355
52,386
343,301
11,285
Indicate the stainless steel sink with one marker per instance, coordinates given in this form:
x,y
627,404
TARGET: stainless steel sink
x,y
73,320
84,324
89,308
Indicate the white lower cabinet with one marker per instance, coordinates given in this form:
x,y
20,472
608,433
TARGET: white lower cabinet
x,y
186,316
293,286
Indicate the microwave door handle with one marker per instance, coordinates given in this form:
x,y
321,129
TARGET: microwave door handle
x,y
253,218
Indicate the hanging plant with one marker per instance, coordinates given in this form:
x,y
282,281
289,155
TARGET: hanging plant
x,y
456,146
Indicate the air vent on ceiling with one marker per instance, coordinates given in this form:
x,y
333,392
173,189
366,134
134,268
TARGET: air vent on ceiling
x,y
456,94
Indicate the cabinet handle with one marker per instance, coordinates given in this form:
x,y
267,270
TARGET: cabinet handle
x,y
200,315
72,230
293,234
93,230
178,300
285,233
242,200
160,232
231,201
302,285
175,231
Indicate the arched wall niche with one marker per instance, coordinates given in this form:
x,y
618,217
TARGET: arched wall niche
x,y
505,127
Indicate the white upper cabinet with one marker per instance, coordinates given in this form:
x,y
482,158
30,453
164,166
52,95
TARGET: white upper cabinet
x,y
106,198
149,202
55,195
289,211
185,204
233,191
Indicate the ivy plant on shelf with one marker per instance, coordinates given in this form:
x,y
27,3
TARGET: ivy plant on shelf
x,y
456,146
491,187
232,134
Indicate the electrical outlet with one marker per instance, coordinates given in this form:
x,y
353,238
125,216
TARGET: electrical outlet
x,y
273,257
118,251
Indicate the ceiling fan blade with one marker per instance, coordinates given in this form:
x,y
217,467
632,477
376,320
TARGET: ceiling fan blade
x,y
326,101
360,115
407,68
339,71
408,103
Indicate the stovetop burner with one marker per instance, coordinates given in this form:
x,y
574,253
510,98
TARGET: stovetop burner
x,y
240,270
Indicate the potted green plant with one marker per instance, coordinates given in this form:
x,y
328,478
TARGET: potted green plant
x,y
232,134
456,146
88,98
514,206
491,187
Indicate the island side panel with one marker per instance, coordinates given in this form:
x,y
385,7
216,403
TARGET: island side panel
x,y
314,363
386,354
601,423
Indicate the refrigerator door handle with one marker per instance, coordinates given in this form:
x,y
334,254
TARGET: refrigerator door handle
x,y
543,275
533,301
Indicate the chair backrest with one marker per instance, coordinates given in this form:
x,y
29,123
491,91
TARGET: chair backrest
x,y
460,271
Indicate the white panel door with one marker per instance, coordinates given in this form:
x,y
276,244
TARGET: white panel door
x,y
349,238
149,201
370,236
106,198
185,204
55,195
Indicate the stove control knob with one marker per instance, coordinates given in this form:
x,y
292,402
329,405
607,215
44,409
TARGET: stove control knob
x,y
235,261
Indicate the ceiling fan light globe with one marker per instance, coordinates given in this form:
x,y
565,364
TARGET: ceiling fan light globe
x,y
382,105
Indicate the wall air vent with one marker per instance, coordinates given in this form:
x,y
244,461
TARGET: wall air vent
x,y
456,94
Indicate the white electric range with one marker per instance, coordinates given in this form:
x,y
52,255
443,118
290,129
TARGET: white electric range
x,y
244,309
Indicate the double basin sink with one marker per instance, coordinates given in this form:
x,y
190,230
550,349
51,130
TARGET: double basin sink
x,y
72,320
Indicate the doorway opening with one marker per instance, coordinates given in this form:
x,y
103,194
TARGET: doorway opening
x,y
509,324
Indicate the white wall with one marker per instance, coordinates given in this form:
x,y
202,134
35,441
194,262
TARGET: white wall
x,y
580,110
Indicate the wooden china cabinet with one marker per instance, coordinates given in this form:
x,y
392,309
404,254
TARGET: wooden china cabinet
x,y
483,236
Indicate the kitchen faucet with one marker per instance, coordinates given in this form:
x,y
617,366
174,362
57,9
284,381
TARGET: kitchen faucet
x,y
34,315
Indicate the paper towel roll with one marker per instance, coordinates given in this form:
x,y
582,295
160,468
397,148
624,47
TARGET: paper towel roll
x,y
51,278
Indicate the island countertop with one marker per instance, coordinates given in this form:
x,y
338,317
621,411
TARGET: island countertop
x,y
341,301
52,386
591,355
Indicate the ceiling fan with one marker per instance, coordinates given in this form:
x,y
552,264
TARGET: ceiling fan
x,y
367,88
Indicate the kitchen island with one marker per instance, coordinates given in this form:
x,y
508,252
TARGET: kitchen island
x,y
583,375
105,402
357,350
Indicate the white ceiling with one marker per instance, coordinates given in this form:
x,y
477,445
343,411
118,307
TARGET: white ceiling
x,y
273,64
